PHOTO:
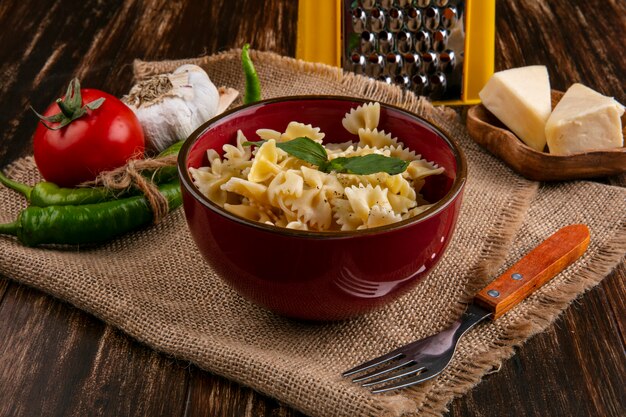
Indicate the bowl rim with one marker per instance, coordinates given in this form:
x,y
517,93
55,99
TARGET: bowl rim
x,y
449,198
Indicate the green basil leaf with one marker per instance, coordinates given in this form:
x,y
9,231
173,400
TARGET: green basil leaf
x,y
306,149
367,164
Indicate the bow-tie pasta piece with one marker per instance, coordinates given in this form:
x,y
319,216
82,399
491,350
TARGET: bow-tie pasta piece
x,y
327,183
344,216
420,169
332,148
250,212
210,184
359,151
402,196
366,116
285,185
362,199
381,216
265,165
400,152
267,134
314,209
298,130
376,139
248,189
238,152
416,210
292,163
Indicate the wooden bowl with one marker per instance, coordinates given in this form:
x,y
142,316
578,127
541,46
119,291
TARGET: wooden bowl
x,y
490,133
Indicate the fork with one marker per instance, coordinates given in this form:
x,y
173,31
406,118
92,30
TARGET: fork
x,y
424,359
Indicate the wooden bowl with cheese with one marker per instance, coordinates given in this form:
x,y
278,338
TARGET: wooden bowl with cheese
x,y
489,132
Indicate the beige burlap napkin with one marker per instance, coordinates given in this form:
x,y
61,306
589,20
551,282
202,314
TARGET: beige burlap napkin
x,y
154,285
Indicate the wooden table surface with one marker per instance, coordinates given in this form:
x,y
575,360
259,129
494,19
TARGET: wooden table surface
x,y
56,360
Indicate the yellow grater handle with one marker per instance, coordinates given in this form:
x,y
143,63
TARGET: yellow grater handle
x,y
319,31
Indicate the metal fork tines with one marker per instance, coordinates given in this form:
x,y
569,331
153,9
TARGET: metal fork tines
x,y
418,361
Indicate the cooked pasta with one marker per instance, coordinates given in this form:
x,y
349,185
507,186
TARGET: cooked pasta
x,y
270,186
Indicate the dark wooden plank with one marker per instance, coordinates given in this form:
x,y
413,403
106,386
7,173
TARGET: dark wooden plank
x,y
57,360
615,289
211,395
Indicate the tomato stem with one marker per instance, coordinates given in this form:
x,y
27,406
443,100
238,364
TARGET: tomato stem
x,y
67,112
70,106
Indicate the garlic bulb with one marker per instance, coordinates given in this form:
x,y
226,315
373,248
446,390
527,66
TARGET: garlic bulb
x,y
171,106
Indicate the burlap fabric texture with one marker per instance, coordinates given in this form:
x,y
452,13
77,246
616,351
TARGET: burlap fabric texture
x,y
154,285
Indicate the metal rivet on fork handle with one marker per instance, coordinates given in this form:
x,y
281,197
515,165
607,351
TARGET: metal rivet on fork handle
x,y
494,293
517,276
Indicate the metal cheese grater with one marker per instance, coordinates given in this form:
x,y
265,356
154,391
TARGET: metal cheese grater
x,y
442,49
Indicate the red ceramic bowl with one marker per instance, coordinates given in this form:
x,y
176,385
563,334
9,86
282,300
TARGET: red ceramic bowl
x,y
322,275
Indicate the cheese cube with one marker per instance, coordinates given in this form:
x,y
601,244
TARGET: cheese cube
x,y
584,120
520,98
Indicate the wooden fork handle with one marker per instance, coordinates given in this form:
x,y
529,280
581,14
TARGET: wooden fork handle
x,y
535,269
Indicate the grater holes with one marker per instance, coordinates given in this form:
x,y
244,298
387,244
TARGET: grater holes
x,y
386,4
422,41
396,20
386,42
368,4
377,20
431,18
359,20
417,44
413,19
404,42
437,84
374,65
419,84
411,64
402,80
440,39
430,62
393,64
449,17
368,42
447,61
357,63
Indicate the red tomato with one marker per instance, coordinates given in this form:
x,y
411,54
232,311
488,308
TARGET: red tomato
x,y
102,139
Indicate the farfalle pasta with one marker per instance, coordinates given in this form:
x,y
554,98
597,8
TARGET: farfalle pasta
x,y
270,186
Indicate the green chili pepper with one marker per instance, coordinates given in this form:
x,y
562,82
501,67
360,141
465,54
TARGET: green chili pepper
x,y
89,223
167,174
45,193
253,85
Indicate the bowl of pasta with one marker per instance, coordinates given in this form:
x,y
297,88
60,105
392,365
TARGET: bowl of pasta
x,y
321,207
